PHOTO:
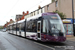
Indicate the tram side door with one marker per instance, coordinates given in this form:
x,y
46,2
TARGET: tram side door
x,y
39,30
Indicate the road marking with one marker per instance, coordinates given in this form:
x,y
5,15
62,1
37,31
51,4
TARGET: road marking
x,y
44,45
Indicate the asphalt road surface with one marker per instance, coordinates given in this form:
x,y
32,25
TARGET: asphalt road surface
x,y
12,42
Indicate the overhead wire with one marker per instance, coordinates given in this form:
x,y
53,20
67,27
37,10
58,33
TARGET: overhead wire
x,y
36,5
13,7
28,9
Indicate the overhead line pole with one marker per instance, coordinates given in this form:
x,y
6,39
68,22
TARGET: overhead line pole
x,y
73,17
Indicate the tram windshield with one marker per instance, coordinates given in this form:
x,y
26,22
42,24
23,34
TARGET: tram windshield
x,y
56,26
53,24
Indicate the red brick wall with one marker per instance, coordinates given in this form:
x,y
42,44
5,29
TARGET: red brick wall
x,y
24,14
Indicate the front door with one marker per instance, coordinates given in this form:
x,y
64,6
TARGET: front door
x,y
39,30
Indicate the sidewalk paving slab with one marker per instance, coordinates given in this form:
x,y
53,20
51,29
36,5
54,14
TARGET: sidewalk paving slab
x,y
72,38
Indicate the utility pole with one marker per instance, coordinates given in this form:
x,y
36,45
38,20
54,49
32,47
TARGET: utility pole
x,y
73,17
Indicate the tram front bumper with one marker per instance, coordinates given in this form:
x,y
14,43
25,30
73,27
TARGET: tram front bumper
x,y
57,39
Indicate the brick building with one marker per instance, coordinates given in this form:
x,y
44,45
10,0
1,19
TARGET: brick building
x,y
7,23
21,17
18,17
64,6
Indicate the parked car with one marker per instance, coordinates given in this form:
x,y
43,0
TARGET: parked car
x,y
4,30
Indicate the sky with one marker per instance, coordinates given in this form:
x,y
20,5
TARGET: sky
x,y
10,8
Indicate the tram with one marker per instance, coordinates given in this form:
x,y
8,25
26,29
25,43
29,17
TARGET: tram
x,y
44,27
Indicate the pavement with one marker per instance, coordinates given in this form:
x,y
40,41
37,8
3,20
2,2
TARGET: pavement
x,y
71,38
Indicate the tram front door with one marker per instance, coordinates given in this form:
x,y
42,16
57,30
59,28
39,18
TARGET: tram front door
x,y
39,30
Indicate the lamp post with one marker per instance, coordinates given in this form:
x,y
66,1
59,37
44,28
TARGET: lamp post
x,y
73,17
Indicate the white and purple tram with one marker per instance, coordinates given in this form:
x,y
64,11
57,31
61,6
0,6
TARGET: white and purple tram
x,y
44,27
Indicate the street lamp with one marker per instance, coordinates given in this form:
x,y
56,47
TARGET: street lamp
x,y
73,17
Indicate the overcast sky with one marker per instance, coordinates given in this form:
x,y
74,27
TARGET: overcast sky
x,y
9,8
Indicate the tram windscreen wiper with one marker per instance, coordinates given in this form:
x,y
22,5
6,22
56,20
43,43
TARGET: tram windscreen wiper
x,y
55,29
58,30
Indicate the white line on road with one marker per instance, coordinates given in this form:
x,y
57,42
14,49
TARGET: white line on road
x,y
44,45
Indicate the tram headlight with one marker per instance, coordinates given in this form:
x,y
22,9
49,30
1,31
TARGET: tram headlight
x,y
53,28
54,35
64,35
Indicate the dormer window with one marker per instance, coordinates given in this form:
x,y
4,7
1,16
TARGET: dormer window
x,y
47,7
56,3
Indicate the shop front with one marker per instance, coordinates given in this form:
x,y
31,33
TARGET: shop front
x,y
68,25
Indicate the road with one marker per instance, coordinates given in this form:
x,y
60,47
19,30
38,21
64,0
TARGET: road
x,y
13,42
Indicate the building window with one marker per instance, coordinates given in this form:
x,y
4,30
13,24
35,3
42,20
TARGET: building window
x,y
56,3
41,10
38,11
34,13
47,7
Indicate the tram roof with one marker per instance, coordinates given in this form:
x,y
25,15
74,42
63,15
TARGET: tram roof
x,y
14,23
11,24
21,21
34,17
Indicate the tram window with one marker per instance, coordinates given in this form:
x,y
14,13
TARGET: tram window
x,y
45,27
17,27
10,27
22,29
31,26
14,27
22,26
38,26
34,27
